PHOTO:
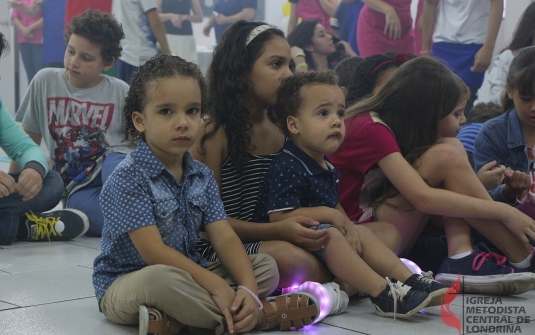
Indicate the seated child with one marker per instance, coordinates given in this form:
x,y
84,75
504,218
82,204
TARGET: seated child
x,y
490,175
156,202
33,190
77,112
301,181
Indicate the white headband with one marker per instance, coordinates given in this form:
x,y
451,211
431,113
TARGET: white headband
x,y
257,31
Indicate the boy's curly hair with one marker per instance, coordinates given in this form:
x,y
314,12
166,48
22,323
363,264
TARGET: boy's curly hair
x,y
483,112
101,29
158,67
289,97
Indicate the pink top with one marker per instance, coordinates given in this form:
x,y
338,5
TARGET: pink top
x,y
367,141
370,30
311,9
27,20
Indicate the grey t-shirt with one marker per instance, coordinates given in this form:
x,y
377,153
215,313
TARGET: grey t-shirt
x,y
79,126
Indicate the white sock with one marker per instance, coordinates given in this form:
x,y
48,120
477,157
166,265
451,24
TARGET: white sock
x,y
523,264
461,255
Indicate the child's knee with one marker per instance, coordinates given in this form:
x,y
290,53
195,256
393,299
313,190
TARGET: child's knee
x,y
266,273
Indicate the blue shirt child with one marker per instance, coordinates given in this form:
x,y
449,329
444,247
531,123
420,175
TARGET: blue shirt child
x,y
295,180
143,192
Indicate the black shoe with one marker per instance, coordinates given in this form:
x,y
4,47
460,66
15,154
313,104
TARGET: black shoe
x,y
60,225
399,300
426,283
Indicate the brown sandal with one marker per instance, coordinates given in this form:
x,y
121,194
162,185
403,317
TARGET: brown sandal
x,y
162,324
303,309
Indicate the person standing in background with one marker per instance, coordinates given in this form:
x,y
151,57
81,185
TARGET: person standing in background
x,y
385,25
29,37
226,12
464,37
176,17
321,10
142,29
53,12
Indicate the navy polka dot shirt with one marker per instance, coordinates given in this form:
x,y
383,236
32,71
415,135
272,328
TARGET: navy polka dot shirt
x,y
295,180
142,192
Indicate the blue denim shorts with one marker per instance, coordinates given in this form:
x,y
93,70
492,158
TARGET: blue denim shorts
x,y
320,253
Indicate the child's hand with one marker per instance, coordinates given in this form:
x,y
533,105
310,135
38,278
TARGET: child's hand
x,y
519,224
224,297
295,231
245,311
491,176
516,182
29,184
7,184
353,237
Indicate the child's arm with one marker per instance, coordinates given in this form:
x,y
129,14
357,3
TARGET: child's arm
x,y
437,201
292,230
491,176
158,29
335,216
427,21
209,25
292,21
329,6
230,251
483,57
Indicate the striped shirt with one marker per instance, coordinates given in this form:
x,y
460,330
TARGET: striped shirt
x,y
468,135
239,192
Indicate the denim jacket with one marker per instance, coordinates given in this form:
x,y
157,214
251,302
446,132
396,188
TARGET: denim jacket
x,y
501,139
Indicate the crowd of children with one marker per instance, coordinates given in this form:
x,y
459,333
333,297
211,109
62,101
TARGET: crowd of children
x,y
212,193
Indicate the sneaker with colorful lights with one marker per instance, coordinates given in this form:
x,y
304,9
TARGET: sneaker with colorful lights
x,y
59,225
331,298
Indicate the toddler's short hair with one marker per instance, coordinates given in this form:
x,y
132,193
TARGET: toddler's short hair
x,y
101,29
483,112
289,98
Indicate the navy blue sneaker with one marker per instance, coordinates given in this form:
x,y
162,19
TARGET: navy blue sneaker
x,y
59,225
479,274
426,283
399,300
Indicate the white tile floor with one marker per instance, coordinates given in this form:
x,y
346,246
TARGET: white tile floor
x,y
45,288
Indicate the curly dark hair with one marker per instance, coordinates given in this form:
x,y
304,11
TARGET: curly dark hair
x,y
4,47
363,81
158,67
483,112
346,68
228,86
101,29
289,97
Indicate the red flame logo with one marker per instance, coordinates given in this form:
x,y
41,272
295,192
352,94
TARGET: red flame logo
x,y
448,317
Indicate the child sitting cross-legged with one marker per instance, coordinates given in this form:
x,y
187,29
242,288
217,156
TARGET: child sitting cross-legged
x,y
155,203
301,181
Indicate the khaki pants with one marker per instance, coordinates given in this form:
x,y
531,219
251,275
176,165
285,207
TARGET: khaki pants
x,y
174,291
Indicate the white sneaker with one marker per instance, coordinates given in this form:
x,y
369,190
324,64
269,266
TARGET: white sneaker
x,y
340,300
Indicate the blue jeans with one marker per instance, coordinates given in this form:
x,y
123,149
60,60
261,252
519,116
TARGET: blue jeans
x,y
31,58
12,208
87,199
124,71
